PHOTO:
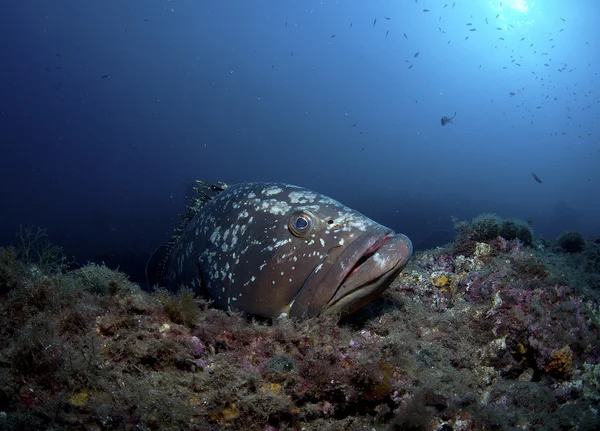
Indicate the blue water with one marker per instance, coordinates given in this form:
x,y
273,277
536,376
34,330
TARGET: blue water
x,y
108,110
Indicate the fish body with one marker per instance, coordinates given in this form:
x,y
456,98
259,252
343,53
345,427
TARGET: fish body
x,y
273,249
536,178
445,120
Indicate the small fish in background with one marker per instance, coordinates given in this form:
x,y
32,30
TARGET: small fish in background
x,y
511,94
405,36
536,178
105,76
446,120
416,55
425,10
386,33
374,22
387,17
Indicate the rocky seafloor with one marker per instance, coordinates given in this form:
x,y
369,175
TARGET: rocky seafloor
x,y
496,331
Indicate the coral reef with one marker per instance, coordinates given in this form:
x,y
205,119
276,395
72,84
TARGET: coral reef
x,y
494,335
487,227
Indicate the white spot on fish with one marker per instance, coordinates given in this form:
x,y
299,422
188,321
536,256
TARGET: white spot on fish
x,y
273,206
272,191
302,197
381,261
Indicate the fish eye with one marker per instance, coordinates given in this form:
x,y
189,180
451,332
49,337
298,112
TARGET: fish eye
x,y
301,223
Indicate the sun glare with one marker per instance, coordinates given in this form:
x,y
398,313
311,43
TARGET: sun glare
x,y
519,5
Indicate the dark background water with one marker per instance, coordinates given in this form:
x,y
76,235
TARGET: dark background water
x,y
108,111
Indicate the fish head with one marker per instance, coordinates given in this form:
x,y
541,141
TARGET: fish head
x,y
348,260
304,254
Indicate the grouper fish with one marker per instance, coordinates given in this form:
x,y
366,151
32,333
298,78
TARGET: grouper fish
x,y
275,250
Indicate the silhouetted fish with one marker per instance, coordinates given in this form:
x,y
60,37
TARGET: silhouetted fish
x,y
535,177
446,120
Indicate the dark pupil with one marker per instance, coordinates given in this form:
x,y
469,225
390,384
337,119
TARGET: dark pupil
x,y
301,223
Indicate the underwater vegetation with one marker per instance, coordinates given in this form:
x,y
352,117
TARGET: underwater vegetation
x,y
571,242
489,332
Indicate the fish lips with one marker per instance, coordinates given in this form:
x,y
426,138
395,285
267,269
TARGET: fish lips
x,y
353,276
371,277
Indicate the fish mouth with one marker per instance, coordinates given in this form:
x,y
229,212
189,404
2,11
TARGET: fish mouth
x,y
354,275
372,273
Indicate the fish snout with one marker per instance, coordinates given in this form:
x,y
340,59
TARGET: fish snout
x,y
372,274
